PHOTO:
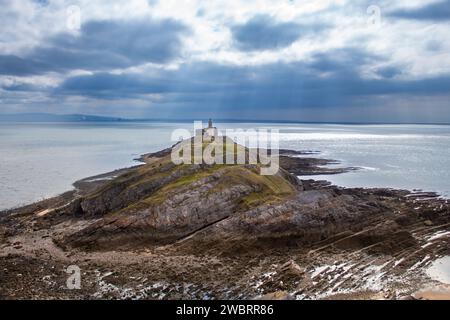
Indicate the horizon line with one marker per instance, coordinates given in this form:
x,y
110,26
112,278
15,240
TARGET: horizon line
x,y
220,120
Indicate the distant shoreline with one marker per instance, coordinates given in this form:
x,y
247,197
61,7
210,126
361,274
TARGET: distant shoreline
x,y
82,118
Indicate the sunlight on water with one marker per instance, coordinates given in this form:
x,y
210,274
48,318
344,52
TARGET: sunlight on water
x,y
440,270
394,156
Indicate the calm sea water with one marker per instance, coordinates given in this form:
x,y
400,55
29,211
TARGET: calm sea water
x,y
44,159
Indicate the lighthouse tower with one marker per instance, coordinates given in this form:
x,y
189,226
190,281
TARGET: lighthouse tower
x,y
210,132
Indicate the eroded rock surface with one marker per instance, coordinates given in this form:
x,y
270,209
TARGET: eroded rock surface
x,y
161,231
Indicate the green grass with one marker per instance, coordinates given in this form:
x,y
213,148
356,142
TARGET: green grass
x,y
270,188
162,194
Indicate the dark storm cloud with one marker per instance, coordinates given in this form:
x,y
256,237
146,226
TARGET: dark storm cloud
x,y
324,82
262,32
113,86
13,65
438,11
19,87
102,45
344,60
389,72
197,78
42,2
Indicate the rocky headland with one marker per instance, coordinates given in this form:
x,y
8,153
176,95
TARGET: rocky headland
x,y
166,231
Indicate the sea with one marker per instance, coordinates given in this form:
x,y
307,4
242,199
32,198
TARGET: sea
x,y
41,160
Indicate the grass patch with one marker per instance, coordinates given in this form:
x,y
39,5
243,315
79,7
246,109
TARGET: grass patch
x,y
161,195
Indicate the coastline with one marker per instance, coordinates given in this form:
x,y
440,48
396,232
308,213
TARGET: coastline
x,y
28,245
304,165
54,169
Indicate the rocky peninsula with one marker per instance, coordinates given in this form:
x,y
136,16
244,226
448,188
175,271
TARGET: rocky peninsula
x,y
166,231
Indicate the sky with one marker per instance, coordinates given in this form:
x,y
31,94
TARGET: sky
x,y
299,60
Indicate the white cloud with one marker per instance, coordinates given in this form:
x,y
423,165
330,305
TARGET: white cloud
x,y
419,48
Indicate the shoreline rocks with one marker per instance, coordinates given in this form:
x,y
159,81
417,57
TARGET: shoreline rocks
x,y
167,232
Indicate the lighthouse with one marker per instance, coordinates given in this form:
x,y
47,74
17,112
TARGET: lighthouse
x,y
210,132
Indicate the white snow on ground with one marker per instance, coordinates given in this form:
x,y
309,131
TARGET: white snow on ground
x,y
106,289
426,245
439,235
418,264
317,271
398,262
370,277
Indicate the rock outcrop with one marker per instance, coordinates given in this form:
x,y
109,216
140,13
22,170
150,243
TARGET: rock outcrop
x,y
160,205
165,231
213,207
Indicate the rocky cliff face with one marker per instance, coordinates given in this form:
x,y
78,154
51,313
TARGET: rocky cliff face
x,y
161,231
162,203
201,207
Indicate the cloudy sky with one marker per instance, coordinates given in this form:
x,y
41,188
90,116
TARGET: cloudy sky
x,y
322,60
